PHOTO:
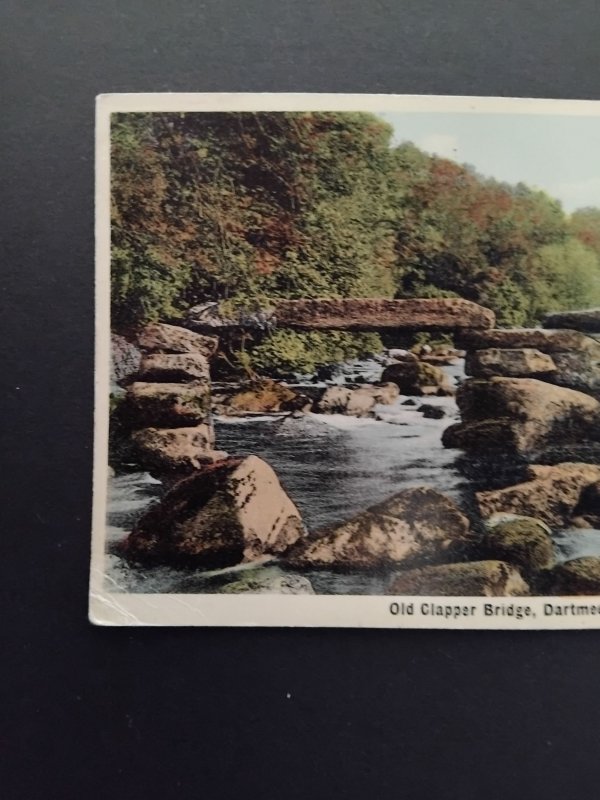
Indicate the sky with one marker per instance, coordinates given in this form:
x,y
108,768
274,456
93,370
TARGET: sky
x,y
558,154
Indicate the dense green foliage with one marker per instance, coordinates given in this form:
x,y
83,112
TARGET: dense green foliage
x,y
246,207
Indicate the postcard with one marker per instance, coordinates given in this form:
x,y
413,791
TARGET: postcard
x,y
347,361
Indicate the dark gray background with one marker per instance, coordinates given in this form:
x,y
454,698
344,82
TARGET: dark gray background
x,y
103,713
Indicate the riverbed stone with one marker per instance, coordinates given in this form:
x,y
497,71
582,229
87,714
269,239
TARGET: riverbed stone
x,y
223,514
178,450
522,415
490,578
514,363
159,337
269,584
384,393
551,493
342,400
168,405
579,576
173,368
418,379
431,412
523,541
262,396
415,526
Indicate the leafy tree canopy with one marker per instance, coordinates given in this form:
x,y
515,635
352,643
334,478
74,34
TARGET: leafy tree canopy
x,y
243,208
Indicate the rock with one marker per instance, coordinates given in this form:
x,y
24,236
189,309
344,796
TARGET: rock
x,y
382,393
551,493
179,450
473,579
269,584
161,338
416,378
575,355
168,405
409,402
546,341
341,400
586,320
414,526
172,368
374,314
125,359
223,514
580,576
579,369
431,412
264,396
523,415
523,541
522,363
587,512
402,356
483,436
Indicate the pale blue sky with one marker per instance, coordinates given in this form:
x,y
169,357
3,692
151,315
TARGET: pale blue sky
x,y
558,154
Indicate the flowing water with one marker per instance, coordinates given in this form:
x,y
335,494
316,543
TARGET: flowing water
x,y
332,467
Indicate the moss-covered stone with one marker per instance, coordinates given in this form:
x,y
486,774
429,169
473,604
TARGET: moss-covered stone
x,y
472,579
523,541
580,576
264,395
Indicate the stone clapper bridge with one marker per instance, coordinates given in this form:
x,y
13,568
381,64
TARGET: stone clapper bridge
x,y
531,393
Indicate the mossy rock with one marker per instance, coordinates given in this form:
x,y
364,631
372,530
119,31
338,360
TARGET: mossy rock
x,y
266,395
523,541
580,576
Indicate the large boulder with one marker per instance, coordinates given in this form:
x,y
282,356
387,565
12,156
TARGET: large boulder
x,y
161,338
176,450
223,514
551,493
472,579
174,368
580,576
415,526
417,378
523,541
168,405
586,320
521,415
342,400
575,355
546,341
375,314
516,363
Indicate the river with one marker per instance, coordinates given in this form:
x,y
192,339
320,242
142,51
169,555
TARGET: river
x,y
332,466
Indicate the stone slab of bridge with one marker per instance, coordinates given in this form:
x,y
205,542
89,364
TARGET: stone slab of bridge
x,y
353,314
